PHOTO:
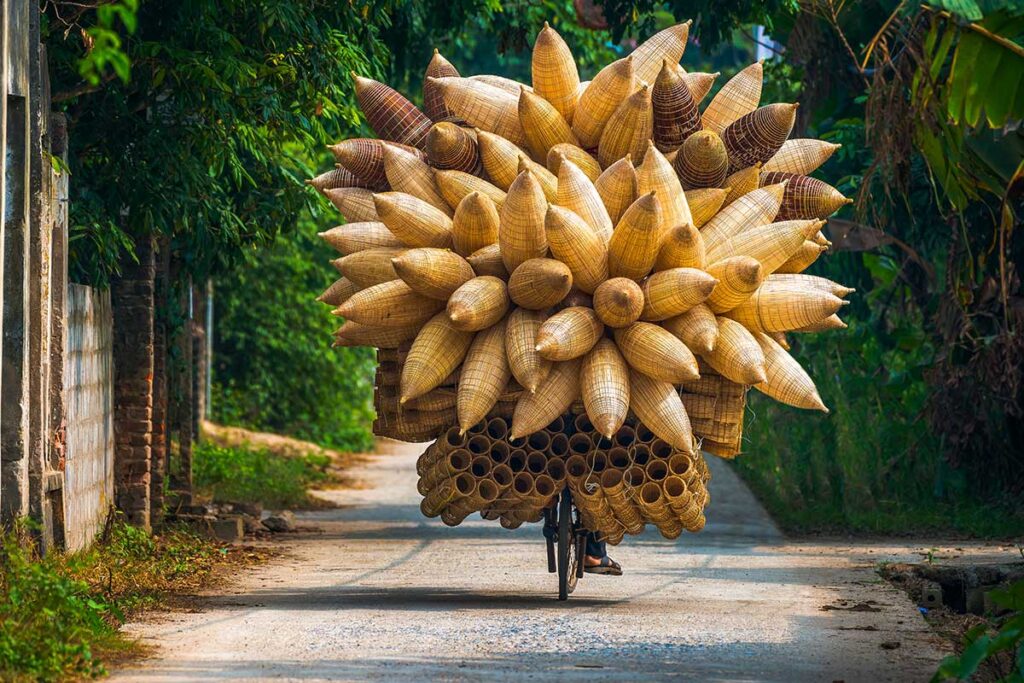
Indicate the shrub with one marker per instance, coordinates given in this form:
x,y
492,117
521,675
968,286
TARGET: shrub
x,y
256,476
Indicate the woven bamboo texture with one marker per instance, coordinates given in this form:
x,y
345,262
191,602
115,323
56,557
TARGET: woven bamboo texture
x,y
553,68
618,302
577,193
487,261
521,233
669,293
617,186
757,136
700,84
656,175
628,130
569,334
702,161
801,156
451,148
528,367
737,355
738,278
355,204
455,186
683,247
408,173
370,266
484,376
390,304
777,309
636,240
741,182
338,293
785,380
805,197
539,283
666,45
657,404
435,273
543,125
805,256
697,328
353,237
413,221
364,157
772,244
339,178
478,303
551,399
585,161
656,352
600,99
578,246
436,352
737,98
390,114
752,209
433,98
475,224
483,106
604,384
676,116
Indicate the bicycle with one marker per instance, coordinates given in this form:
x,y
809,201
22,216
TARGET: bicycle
x,y
566,543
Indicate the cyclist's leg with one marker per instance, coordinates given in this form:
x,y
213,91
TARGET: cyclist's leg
x,y
595,546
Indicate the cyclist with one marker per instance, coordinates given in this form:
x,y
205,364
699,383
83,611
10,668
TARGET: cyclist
x,y
596,560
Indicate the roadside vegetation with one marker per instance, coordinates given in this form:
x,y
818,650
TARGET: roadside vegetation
x,y
60,614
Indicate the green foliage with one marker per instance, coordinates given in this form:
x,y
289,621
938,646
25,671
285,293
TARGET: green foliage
x,y
714,20
274,369
983,644
59,615
245,475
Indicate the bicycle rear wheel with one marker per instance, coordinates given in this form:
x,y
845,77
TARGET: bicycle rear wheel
x,y
568,558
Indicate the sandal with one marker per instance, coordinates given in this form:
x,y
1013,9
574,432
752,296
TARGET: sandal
x,y
608,567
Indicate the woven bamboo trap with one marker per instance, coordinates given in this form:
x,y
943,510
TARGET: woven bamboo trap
x,y
574,283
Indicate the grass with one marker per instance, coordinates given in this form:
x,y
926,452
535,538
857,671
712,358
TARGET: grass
x,y
245,474
60,615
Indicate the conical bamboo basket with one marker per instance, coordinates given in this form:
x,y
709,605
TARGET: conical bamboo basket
x,y
806,197
803,259
737,355
413,221
786,381
364,157
338,293
757,136
369,267
738,278
702,161
738,97
353,237
435,273
742,181
578,194
391,304
543,126
528,367
500,158
697,328
586,163
803,282
752,209
666,45
451,148
656,352
509,85
617,187
555,77
455,186
433,99
391,116
475,224
485,373
628,129
772,244
618,302
676,116
436,352
552,398
704,203
833,322
539,283
478,304
577,245
683,247
634,245
487,261
658,406
521,233
338,178
569,334
355,334
354,203
613,84
781,310
408,173
483,106
700,84
604,383
801,156
669,293
656,175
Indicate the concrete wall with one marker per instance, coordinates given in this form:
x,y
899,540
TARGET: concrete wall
x,y
89,410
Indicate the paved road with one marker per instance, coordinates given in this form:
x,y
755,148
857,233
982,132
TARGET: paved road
x,y
384,594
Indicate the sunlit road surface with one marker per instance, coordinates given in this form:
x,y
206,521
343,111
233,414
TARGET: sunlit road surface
x,y
385,594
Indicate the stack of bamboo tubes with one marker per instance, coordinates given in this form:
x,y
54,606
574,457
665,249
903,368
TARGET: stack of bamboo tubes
x,y
614,249
619,484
